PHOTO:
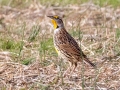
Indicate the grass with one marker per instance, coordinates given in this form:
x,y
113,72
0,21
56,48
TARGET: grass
x,y
47,47
15,3
28,59
114,3
117,48
10,45
118,33
34,32
26,3
76,33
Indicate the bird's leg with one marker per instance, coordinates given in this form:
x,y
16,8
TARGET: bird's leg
x,y
69,69
73,69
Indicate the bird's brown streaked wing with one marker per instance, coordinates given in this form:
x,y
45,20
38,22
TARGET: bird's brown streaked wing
x,y
70,49
75,53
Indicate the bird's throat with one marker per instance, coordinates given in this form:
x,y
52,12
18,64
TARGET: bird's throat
x,y
54,24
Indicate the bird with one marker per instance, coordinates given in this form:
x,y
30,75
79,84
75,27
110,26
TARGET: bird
x,y
66,46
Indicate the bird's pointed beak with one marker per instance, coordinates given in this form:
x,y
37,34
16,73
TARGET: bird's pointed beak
x,y
51,17
53,21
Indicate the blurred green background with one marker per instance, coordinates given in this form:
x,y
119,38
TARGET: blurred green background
x,y
25,3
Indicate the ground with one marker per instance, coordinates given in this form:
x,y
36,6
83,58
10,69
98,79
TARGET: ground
x,y
28,60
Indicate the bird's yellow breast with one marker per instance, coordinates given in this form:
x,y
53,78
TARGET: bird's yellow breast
x,y
56,50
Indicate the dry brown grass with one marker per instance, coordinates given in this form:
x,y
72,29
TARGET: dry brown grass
x,y
100,27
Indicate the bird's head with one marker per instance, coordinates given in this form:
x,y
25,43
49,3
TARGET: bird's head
x,y
56,21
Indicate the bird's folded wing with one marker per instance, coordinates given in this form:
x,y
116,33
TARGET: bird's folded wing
x,y
71,49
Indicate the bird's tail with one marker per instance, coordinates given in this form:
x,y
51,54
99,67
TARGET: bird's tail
x,y
89,62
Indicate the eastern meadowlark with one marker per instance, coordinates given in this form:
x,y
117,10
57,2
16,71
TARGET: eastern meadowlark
x,y
65,44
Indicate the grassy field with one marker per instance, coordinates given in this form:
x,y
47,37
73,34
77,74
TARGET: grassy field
x,y
28,60
26,3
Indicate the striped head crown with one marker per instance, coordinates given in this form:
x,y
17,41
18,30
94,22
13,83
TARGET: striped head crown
x,y
56,21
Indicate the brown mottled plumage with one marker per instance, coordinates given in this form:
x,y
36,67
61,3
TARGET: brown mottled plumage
x,y
65,44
